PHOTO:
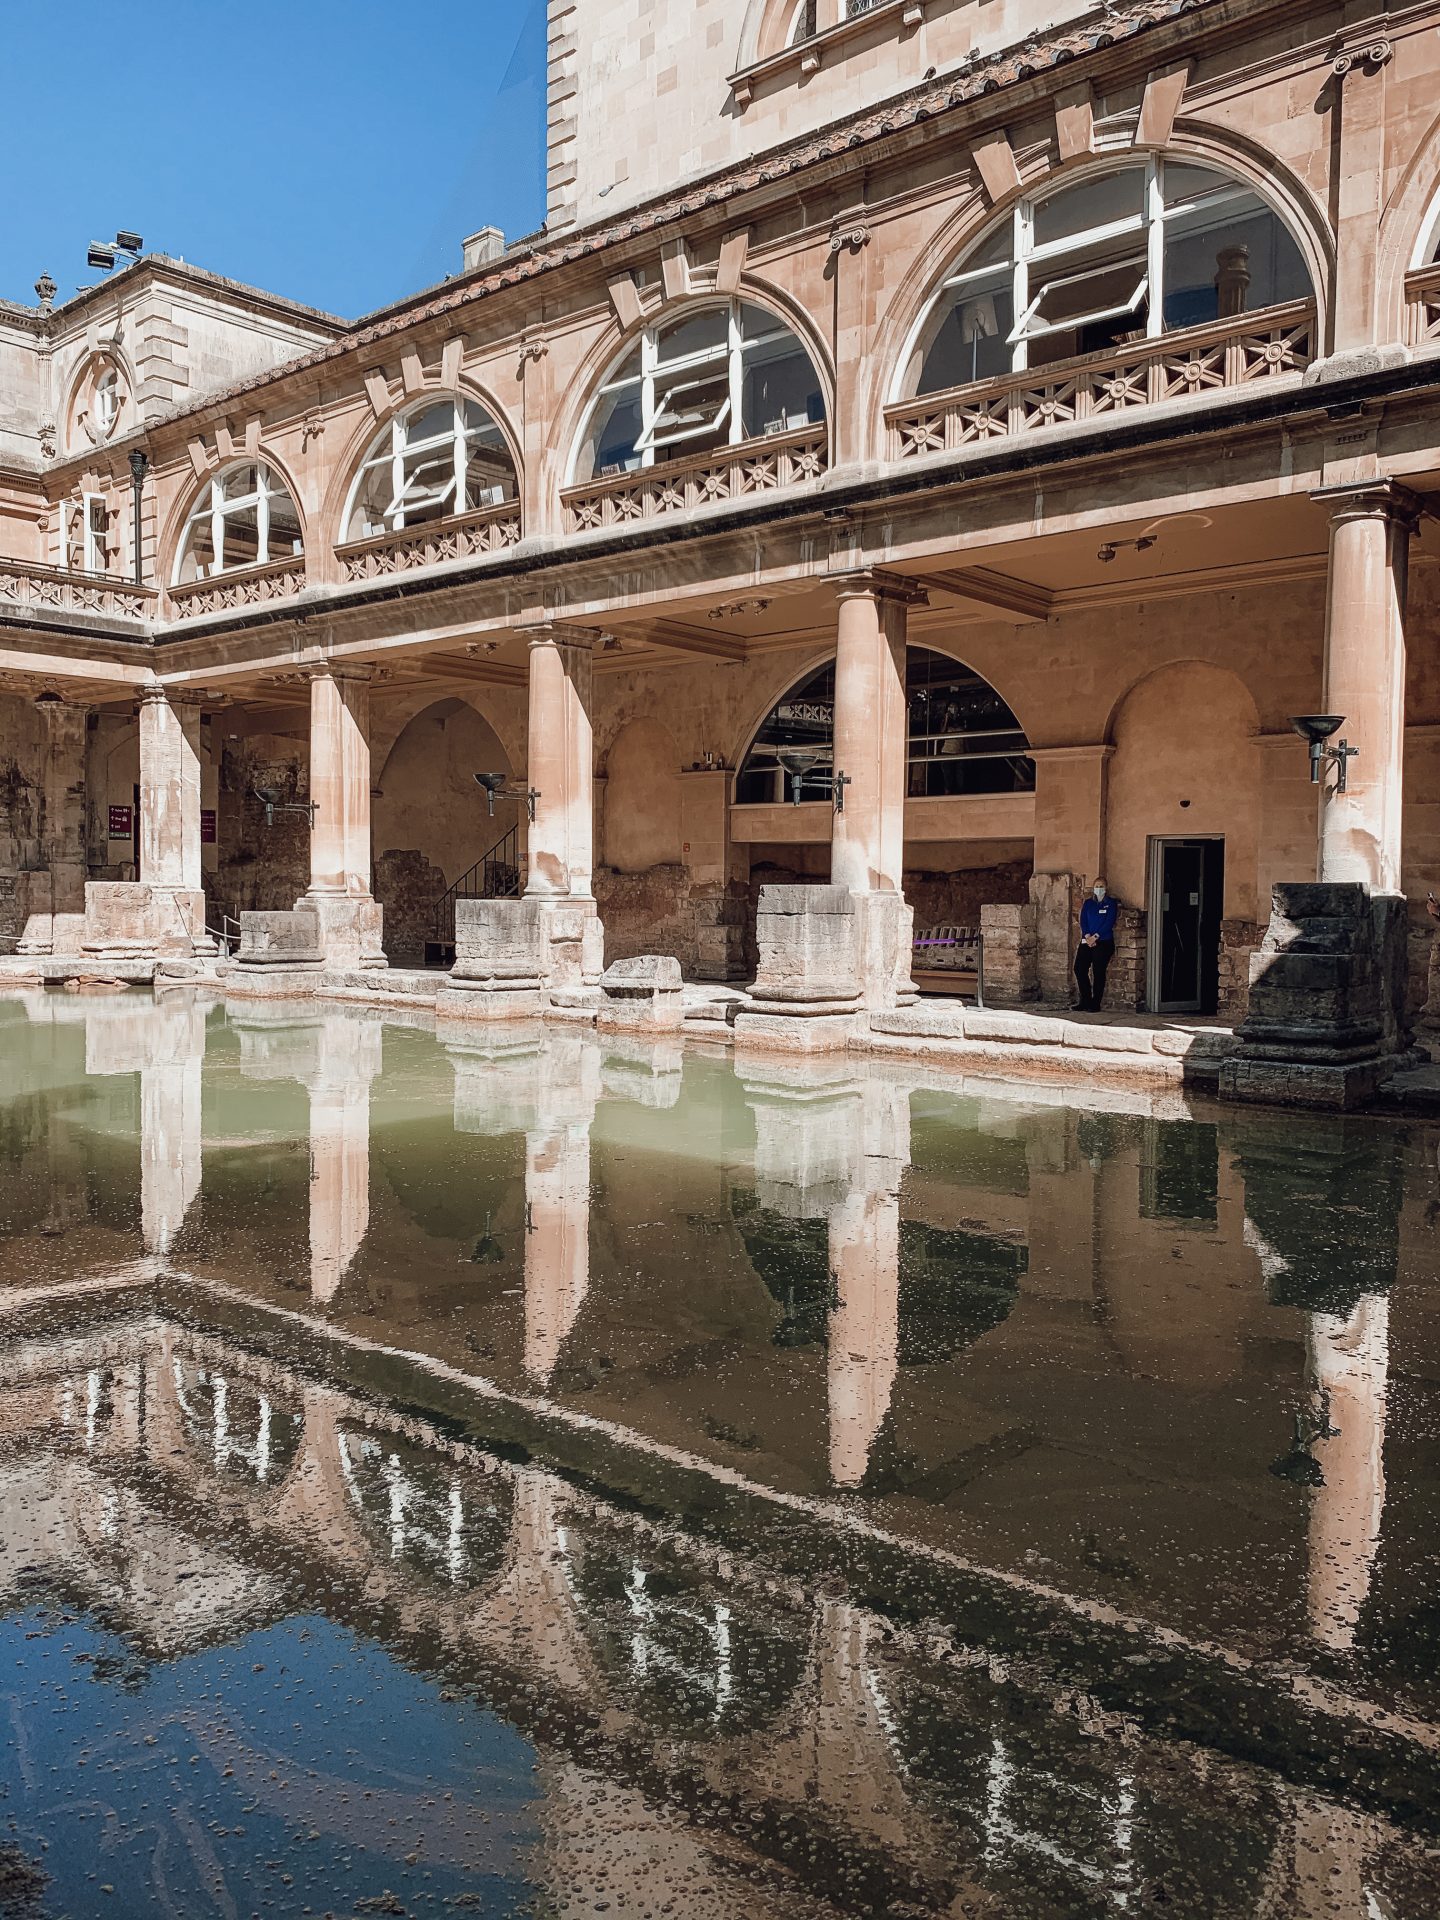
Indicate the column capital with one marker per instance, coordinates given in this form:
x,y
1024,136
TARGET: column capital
x,y
338,670
560,633
873,583
1376,498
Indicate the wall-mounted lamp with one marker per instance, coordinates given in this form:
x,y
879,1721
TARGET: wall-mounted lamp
x,y
797,762
269,798
498,785
1141,545
1316,728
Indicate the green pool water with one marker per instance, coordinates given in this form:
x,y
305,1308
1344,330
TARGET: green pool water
x,y
491,1470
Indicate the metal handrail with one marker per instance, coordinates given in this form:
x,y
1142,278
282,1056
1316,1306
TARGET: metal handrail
x,y
494,876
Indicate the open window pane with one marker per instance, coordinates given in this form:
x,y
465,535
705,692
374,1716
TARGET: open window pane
x,y
780,392
617,437
432,439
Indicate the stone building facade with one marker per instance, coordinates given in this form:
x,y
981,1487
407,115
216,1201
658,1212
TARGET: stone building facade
x,y
925,453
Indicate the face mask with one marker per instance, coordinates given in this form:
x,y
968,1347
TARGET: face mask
x,y
1099,892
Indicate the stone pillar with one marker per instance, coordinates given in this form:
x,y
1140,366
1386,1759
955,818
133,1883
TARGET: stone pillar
x,y
171,1134
557,1240
56,905
339,892
1371,524
867,846
513,957
173,901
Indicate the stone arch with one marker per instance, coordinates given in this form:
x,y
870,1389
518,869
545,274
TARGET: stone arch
x,y
1409,229
167,548
975,214
430,822
363,436
1184,764
762,32
642,798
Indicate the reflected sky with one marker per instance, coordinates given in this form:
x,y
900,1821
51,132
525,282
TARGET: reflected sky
x,y
826,1488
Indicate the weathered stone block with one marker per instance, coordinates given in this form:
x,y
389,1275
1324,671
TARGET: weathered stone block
x,y
281,939
499,942
642,978
809,942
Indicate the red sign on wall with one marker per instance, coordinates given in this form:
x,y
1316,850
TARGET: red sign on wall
x,y
207,826
122,823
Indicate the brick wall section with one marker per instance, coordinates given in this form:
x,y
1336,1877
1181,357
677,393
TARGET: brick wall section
x,y
663,911
409,888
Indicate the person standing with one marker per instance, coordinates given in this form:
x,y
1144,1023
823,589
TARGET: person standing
x,y
1097,946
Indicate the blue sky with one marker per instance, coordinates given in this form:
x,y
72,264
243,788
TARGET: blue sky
x,y
332,150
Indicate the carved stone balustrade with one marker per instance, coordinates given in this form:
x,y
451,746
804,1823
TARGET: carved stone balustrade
x,y
247,587
734,473
1223,355
30,584
489,530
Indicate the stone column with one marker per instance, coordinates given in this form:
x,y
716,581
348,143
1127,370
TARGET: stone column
x,y
171,1079
561,760
1371,523
56,905
339,892
1348,1362
557,1240
171,907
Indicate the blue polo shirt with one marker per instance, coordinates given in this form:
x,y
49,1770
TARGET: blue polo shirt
x,y
1098,916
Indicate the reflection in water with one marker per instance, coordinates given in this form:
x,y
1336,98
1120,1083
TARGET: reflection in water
x,y
779,1324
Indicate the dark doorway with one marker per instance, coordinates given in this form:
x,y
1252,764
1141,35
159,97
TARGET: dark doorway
x,y
1187,902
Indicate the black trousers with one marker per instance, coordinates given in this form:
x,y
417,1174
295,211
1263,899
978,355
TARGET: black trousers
x,y
1091,966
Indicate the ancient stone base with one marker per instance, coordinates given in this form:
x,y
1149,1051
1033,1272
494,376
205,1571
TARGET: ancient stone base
x,y
127,919
641,996
489,1000
531,945
781,1031
1299,1083
287,940
351,928
52,933
1326,1002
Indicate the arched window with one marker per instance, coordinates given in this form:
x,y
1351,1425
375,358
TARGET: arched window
x,y
442,458
243,518
712,377
963,737
1117,256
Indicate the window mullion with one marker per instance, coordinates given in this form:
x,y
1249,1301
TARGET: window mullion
x,y
460,501
647,397
737,373
1020,294
1155,246
262,518
217,528
397,474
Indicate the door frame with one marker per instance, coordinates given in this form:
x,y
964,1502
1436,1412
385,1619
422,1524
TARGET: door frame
x,y
1155,845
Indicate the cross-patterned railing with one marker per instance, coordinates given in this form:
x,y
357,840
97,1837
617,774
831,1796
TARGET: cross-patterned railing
x,y
1422,306
1224,354
734,473
30,584
490,530
248,587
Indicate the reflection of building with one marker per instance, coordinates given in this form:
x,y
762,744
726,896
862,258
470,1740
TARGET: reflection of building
x,y
700,1725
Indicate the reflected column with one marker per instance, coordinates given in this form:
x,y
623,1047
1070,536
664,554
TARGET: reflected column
x,y
863,1343
347,1058
1348,1360
557,1202
171,1132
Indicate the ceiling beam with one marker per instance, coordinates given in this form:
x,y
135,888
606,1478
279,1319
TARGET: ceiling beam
x,y
988,589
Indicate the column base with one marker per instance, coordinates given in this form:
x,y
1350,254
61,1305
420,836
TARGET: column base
x,y
351,928
127,919
1327,995
535,945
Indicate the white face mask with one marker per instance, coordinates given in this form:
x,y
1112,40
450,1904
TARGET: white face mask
x,y
1099,892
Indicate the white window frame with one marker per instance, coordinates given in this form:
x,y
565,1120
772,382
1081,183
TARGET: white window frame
x,y
659,381
456,491
107,381
92,511
217,505
1148,225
